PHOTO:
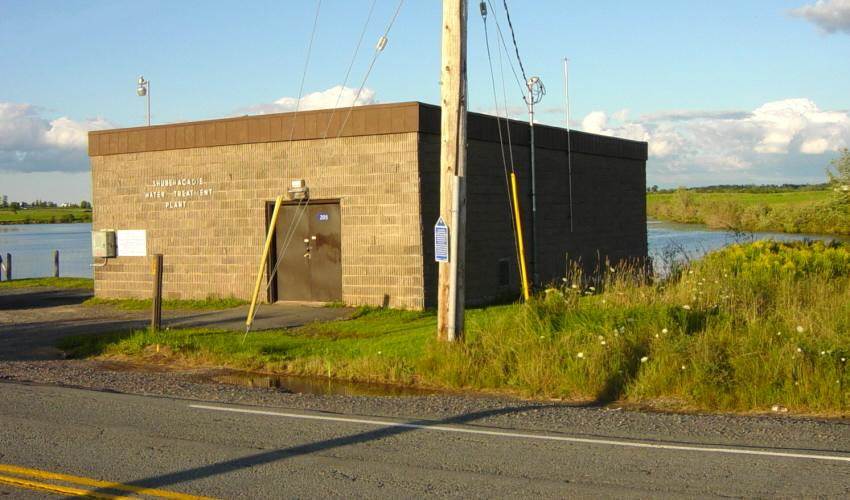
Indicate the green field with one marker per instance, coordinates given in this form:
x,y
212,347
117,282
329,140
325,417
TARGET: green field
x,y
744,328
44,215
797,211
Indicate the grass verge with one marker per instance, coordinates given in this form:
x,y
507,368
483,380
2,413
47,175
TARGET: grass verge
x,y
210,303
49,282
743,329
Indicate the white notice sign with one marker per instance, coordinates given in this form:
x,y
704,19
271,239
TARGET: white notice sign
x,y
131,242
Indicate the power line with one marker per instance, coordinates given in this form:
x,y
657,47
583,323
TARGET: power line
x,y
513,37
291,134
306,65
483,8
350,66
379,47
523,87
382,42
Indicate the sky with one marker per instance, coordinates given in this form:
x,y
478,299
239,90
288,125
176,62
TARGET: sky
x,y
727,91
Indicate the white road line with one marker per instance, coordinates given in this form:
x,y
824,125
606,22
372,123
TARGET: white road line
x,y
544,437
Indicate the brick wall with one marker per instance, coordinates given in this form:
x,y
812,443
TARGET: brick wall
x,y
213,244
608,210
384,169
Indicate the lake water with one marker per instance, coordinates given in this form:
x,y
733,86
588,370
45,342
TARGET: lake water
x,y
32,245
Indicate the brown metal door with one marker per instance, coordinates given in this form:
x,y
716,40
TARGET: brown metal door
x,y
309,249
326,252
293,271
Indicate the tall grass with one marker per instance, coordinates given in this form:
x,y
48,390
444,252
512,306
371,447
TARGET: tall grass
x,y
745,328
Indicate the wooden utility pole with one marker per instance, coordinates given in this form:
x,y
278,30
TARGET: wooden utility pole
x,y
450,290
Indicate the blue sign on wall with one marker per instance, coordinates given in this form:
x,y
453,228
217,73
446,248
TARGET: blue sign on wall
x,y
441,241
323,216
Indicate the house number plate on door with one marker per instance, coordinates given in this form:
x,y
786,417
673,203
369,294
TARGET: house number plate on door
x,y
323,216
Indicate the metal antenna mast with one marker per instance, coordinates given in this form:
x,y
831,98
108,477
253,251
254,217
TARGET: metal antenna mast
x,y
535,94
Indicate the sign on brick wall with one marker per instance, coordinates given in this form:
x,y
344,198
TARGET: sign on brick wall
x,y
176,192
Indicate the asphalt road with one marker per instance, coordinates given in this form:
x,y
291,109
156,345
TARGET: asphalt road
x,y
500,450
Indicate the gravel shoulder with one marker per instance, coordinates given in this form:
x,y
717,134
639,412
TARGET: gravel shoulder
x,y
764,432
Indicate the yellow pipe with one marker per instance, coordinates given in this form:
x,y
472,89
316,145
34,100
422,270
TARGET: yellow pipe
x,y
523,273
250,319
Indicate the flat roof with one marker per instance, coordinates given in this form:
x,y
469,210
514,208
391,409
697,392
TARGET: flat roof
x,y
375,119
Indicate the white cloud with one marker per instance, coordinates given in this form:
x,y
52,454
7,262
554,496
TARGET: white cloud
x,y
787,139
31,143
337,96
829,15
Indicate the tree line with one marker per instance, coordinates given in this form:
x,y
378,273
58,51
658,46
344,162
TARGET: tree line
x,y
17,205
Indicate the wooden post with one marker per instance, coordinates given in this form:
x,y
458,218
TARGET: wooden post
x,y
451,290
56,263
156,309
8,267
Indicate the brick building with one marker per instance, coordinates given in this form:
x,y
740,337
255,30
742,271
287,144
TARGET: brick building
x,y
200,194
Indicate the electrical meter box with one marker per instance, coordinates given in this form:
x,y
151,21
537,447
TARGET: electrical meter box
x,y
103,243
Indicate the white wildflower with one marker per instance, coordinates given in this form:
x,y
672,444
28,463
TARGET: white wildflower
x,y
800,329
683,367
580,355
686,307
799,349
592,288
664,331
644,359
657,336
602,342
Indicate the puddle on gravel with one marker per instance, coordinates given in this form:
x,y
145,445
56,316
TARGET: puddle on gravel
x,y
325,387
283,383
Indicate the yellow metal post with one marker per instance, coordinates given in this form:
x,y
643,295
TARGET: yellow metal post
x,y
272,224
522,271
